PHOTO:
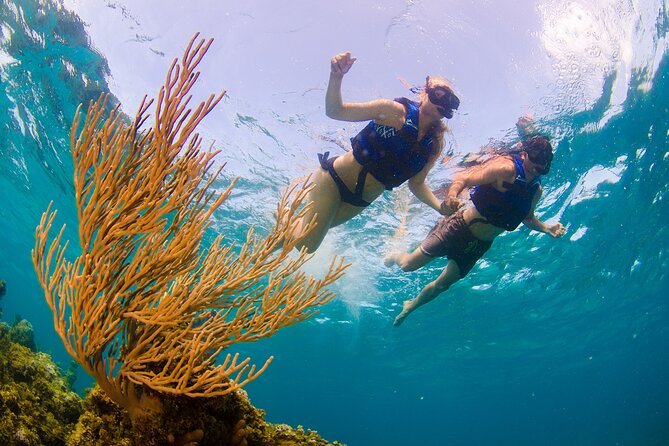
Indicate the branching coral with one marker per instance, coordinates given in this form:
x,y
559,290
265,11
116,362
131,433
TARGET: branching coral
x,y
145,305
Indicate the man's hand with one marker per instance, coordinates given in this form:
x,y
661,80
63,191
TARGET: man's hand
x,y
341,63
556,230
525,125
450,205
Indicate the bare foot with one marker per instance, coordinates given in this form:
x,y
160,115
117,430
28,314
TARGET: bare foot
x,y
389,259
406,309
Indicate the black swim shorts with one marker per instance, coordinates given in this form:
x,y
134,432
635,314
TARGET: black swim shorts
x,y
452,238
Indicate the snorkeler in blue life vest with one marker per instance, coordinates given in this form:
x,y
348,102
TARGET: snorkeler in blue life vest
x,y
504,193
401,143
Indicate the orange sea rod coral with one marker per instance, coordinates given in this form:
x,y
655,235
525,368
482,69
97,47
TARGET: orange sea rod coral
x,y
145,308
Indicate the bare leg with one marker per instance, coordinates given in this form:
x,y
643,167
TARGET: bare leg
x,y
325,204
345,213
327,210
448,277
407,261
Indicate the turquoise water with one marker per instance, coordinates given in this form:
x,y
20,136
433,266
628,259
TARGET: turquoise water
x,y
547,342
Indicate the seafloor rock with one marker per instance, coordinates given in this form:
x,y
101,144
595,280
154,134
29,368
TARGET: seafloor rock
x,y
37,407
22,333
228,420
3,290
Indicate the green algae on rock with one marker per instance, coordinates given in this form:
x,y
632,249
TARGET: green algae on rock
x,y
227,420
37,408
22,333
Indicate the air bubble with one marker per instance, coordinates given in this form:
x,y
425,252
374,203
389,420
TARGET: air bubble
x,y
593,51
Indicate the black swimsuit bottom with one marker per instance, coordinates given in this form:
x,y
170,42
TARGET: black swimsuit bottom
x,y
353,198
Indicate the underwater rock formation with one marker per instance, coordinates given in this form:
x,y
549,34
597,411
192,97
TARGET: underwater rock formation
x,y
37,408
3,290
227,420
22,333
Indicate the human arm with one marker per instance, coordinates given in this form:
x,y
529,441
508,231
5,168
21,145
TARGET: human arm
x,y
383,111
555,230
497,170
422,191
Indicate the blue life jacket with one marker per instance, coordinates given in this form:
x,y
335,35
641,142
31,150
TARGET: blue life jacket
x,y
393,156
507,209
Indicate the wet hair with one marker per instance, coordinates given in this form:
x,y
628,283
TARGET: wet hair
x,y
438,141
439,128
539,150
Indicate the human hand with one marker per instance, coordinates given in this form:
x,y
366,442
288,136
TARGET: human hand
x,y
341,63
556,230
525,124
450,205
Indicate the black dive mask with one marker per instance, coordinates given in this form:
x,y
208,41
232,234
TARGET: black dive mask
x,y
543,164
443,97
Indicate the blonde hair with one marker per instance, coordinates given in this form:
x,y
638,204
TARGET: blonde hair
x,y
439,128
438,141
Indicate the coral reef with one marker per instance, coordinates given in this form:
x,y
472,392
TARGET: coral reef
x,y
3,290
22,333
226,420
37,408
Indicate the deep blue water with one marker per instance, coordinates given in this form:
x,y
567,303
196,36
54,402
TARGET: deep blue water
x,y
547,342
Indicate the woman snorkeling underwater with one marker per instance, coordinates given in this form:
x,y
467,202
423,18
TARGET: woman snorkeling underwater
x,y
401,143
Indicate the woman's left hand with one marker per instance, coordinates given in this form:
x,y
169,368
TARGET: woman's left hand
x,y
450,205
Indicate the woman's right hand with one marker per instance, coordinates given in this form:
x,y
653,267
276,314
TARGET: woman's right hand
x,y
341,63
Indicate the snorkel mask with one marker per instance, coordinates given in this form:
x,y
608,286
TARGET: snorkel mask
x,y
539,152
443,97
542,167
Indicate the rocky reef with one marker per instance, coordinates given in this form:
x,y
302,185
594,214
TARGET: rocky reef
x,y
3,290
228,420
38,407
